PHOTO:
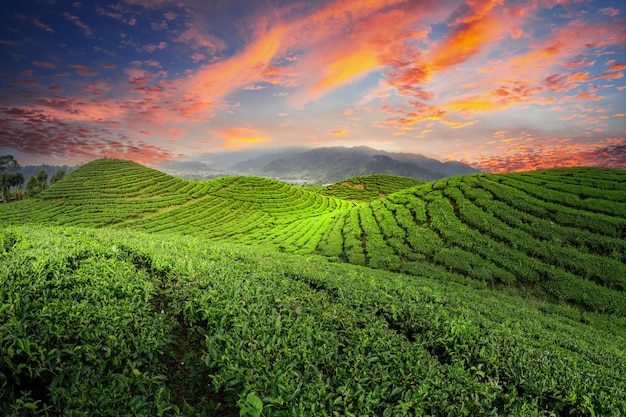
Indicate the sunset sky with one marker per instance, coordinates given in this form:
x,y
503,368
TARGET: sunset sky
x,y
502,85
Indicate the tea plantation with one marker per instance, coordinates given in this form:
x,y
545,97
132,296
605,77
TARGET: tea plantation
x,y
124,291
369,188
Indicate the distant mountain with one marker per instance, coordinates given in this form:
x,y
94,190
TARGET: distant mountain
x,y
333,164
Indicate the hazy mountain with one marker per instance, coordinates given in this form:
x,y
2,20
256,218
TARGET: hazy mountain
x,y
333,164
226,160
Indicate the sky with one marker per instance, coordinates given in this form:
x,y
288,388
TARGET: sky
x,y
502,85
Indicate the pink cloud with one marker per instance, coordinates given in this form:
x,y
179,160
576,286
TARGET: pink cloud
x,y
617,67
197,38
527,156
44,136
44,64
74,19
609,11
42,26
154,47
83,70
579,63
197,57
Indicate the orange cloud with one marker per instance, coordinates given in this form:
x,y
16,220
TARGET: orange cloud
x,y
215,81
458,125
373,36
617,67
526,154
239,137
470,35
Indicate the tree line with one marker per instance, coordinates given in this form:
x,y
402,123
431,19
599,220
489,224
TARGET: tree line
x,y
12,181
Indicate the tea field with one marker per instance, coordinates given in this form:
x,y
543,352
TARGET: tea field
x,y
125,291
106,322
369,187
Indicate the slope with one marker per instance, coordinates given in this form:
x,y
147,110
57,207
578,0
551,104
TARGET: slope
x,y
104,322
124,194
559,232
369,187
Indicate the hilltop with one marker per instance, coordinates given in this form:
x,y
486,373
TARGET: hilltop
x,y
469,295
368,187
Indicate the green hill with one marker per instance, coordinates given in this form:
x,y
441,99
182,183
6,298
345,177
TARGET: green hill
x,y
124,194
499,294
558,232
369,187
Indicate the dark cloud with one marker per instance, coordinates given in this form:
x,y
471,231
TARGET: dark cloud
x,y
36,133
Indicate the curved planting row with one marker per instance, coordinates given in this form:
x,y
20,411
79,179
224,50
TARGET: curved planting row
x,y
123,194
530,230
369,187
250,210
100,193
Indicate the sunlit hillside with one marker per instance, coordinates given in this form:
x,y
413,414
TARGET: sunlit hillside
x,y
559,231
123,194
369,187
125,290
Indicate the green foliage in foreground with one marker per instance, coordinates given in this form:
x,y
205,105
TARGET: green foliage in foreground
x,y
103,322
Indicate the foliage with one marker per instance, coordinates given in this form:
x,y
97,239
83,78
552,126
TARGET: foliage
x,y
510,230
178,310
369,187
37,183
10,178
8,163
556,233
105,322
57,176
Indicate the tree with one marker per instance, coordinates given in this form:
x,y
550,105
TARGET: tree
x,y
57,176
8,163
9,179
37,183
32,187
42,177
18,181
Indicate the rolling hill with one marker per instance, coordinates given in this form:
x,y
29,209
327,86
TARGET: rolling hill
x,y
501,294
558,233
369,187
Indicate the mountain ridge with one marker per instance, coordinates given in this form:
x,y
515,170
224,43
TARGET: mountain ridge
x,y
334,164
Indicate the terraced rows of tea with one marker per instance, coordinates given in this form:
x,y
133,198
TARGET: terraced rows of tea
x,y
369,187
559,231
123,194
109,323
124,290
